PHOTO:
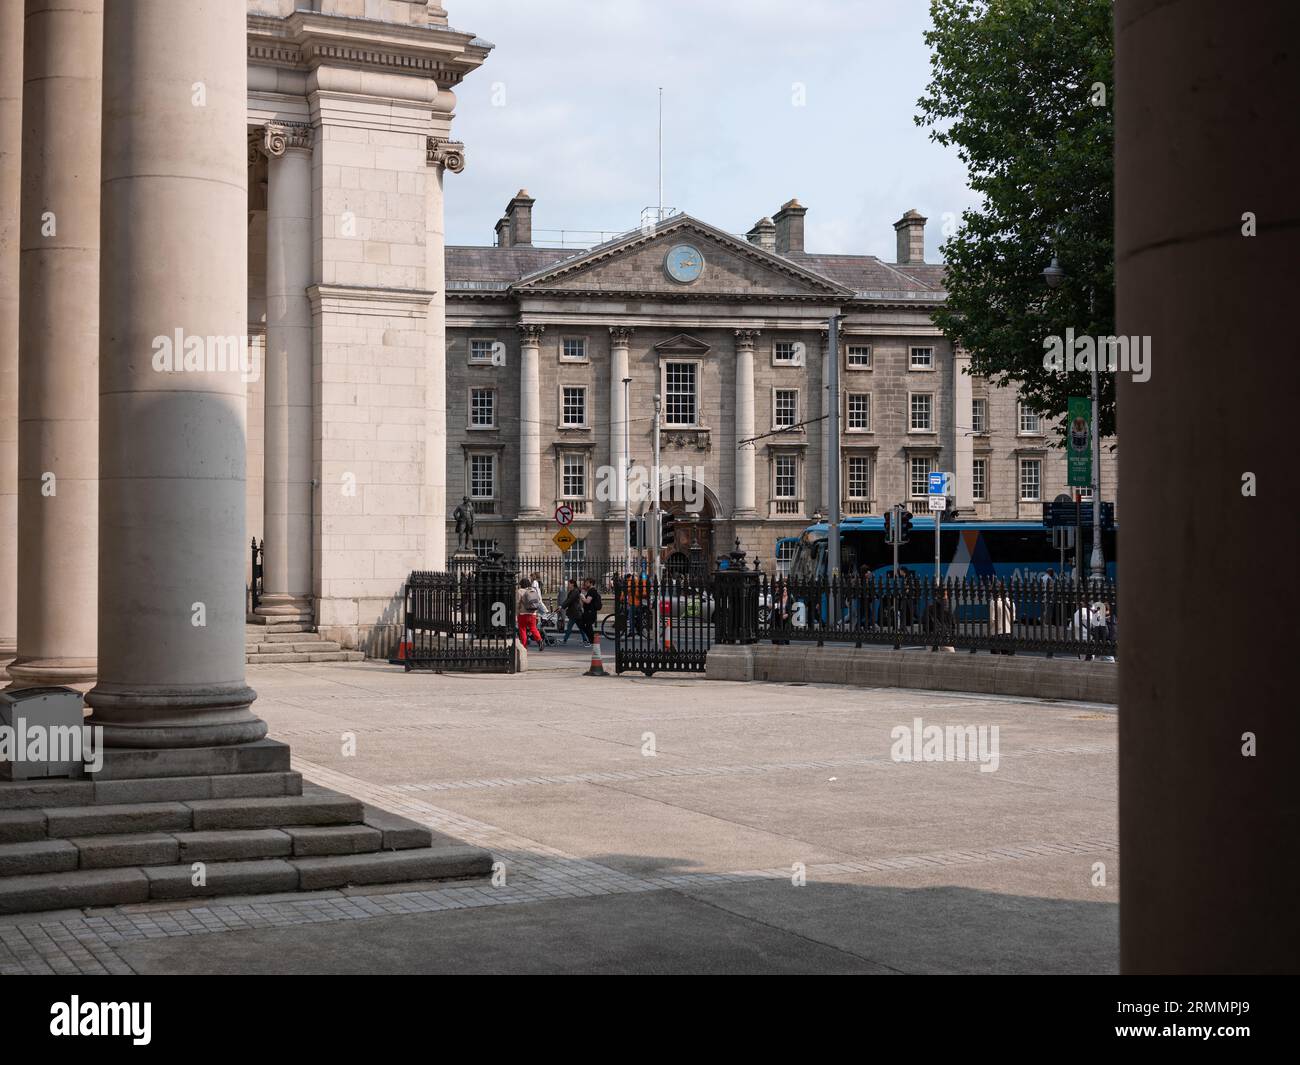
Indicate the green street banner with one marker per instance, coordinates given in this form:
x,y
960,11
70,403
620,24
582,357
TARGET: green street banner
x,y
1079,442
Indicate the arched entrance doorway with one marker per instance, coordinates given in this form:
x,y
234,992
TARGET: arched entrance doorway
x,y
690,509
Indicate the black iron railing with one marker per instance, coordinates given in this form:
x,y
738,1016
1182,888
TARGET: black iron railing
x,y
663,625
258,550
460,622
1003,616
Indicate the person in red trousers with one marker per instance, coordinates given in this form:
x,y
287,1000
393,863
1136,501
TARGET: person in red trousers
x,y
527,604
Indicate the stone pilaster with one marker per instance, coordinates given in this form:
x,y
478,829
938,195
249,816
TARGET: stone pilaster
x,y
619,340
58,435
175,266
824,433
287,375
530,421
443,155
11,135
963,444
745,452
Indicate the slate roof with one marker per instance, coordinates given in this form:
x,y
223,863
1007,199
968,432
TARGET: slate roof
x,y
493,267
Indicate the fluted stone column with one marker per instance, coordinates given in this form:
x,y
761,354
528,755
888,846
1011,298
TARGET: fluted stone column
x,y
287,466
745,422
530,420
619,339
174,197
11,136
58,344
443,155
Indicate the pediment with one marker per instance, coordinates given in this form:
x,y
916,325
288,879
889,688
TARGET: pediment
x,y
634,265
682,344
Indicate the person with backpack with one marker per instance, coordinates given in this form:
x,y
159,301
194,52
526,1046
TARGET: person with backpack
x,y
527,604
571,604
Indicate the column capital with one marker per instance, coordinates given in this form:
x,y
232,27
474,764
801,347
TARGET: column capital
x,y
620,335
280,137
745,339
530,333
448,154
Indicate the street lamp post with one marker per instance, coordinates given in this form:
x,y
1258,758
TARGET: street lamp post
x,y
1054,274
627,468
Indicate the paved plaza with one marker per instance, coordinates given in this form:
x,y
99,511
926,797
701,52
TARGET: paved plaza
x,y
667,824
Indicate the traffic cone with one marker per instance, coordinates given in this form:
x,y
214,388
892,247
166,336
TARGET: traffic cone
x,y
405,648
668,632
597,666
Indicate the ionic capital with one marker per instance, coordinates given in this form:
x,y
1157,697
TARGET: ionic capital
x,y
280,137
446,153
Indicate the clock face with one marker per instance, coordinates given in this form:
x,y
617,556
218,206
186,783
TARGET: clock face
x,y
684,263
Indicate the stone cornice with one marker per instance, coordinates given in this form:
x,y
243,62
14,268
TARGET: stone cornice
x,y
307,39
360,299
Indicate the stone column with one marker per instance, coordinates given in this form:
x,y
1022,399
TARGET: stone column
x,y
963,442
175,265
825,434
287,375
11,135
443,155
745,507
619,339
58,351
530,421
1205,207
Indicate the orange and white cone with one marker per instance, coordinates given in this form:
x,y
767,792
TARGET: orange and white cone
x,y
405,647
668,632
597,666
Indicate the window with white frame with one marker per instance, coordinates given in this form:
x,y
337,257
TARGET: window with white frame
x,y
919,469
1030,423
573,406
785,550
480,349
922,412
857,412
979,415
1085,494
785,407
979,480
784,351
483,548
573,475
858,356
922,359
482,408
681,396
857,479
482,476
573,349
785,470
1031,480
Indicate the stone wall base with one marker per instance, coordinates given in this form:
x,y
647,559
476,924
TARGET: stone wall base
x,y
870,667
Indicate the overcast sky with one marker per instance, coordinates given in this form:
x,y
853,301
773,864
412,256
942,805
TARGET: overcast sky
x,y
763,100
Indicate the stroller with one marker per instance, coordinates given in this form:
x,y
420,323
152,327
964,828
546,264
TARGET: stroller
x,y
551,624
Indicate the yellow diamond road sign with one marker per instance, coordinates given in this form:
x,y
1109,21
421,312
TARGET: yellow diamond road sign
x,y
564,539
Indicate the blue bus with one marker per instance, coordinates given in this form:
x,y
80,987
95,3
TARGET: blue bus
x,y
1003,549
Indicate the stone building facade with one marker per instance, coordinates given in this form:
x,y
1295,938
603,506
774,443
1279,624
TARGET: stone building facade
x,y
539,341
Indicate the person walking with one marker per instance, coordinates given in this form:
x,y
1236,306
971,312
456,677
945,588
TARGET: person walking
x,y
571,605
939,622
782,606
591,603
527,603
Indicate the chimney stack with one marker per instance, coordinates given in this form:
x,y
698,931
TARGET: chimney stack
x,y
789,227
910,230
519,213
763,234
503,232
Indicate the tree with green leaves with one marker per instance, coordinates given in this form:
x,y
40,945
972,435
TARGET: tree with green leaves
x,y
1022,89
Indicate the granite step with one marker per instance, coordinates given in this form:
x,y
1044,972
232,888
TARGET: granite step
x,y
45,794
285,647
300,657
77,889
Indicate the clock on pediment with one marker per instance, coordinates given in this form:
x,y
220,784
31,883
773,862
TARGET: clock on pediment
x,y
684,263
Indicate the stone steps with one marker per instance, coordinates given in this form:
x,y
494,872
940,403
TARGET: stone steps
x,y
71,844
292,643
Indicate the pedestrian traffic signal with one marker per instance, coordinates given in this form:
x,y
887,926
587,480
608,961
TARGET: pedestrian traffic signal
x,y
668,534
906,526
889,514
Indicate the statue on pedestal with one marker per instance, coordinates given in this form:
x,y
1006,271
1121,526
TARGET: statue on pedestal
x,y
464,515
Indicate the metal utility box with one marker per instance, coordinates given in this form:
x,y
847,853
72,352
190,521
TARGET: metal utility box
x,y
46,722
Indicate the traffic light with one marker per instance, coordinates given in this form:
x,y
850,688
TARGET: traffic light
x,y
889,515
668,535
906,526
